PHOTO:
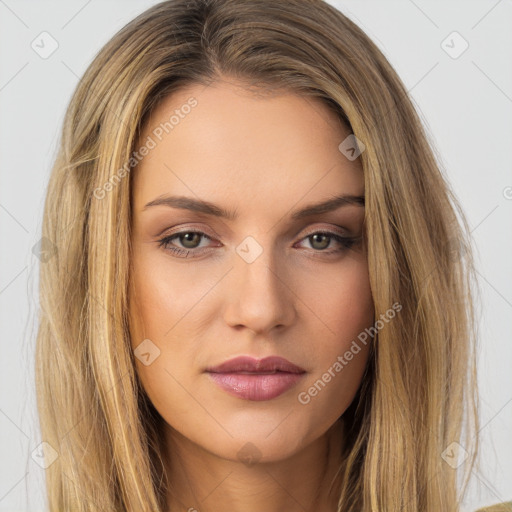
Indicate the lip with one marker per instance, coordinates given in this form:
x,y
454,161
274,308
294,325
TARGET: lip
x,y
256,379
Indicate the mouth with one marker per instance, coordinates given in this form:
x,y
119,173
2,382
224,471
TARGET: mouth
x,y
256,379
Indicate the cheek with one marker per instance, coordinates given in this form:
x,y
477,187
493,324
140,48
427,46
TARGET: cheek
x,y
339,301
330,391
164,294
166,378
343,308
164,304
351,309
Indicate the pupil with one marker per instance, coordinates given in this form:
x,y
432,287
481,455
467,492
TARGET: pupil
x,y
190,238
325,237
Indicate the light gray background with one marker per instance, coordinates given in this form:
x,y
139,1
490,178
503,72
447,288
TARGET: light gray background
x,y
465,102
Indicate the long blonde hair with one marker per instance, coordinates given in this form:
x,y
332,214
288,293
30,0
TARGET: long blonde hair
x,y
418,395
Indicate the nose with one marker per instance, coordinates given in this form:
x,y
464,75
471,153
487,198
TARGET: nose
x,y
260,295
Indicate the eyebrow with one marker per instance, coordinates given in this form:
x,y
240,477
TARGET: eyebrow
x,y
198,205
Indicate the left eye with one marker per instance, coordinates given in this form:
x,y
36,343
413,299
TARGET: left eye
x,y
190,241
320,238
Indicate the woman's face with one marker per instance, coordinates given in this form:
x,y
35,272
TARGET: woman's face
x,y
256,271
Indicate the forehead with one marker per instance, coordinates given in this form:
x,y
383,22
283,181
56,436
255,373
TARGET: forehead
x,y
223,141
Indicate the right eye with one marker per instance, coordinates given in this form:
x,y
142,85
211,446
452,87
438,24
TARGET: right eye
x,y
190,241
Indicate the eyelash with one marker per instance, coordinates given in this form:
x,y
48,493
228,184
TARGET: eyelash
x,y
346,243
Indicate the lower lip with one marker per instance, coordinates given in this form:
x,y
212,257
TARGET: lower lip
x,y
257,387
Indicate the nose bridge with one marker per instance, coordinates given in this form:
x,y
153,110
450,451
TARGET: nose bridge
x,y
256,266
260,297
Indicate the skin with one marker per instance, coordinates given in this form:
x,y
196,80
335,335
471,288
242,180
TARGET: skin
x,y
264,157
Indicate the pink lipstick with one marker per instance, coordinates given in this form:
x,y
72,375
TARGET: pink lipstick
x,y
256,379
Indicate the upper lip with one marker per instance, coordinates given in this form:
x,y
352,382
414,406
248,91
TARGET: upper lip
x,y
253,365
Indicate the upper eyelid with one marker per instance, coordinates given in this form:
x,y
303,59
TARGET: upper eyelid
x,y
329,219
186,229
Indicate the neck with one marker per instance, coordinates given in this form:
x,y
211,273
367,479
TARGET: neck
x,y
203,482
